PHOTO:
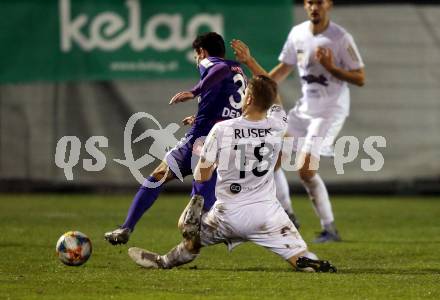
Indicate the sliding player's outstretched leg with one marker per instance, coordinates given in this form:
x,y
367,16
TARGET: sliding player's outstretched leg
x,y
145,258
186,251
182,254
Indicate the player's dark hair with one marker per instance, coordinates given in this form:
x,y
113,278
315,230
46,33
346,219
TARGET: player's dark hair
x,y
211,42
264,91
331,1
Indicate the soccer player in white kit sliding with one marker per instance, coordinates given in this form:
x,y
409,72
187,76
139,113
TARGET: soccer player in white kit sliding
x,y
245,151
327,59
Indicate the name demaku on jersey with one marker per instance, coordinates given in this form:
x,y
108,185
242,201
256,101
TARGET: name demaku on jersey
x,y
241,133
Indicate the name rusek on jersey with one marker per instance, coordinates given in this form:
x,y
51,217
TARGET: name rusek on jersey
x,y
240,133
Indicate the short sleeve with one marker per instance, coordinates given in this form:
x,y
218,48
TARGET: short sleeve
x,y
350,57
278,118
210,150
288,53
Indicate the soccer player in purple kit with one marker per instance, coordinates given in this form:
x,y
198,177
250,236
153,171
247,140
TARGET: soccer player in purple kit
x,y
220,92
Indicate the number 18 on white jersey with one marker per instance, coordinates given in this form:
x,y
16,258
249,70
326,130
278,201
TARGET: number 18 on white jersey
x,y
246,153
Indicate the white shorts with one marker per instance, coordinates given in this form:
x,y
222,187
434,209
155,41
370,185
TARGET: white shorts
x,y
264,223
314,135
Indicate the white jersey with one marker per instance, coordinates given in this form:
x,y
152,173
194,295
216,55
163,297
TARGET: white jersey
x,y
323,94
246,153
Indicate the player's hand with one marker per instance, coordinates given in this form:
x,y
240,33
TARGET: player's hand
x,y
325,57
189,120
181,97
241,51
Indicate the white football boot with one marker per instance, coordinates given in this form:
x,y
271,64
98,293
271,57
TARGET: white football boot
x,y
145,258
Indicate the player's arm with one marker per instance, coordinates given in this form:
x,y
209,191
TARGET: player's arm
x,y
204,170
356,77
243,55
280,72
208,157
215,75
353,66
325,57
189,120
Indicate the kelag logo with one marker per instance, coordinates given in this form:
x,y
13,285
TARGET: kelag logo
x,y
127,39
112,30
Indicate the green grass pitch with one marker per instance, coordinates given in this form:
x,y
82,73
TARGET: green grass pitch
x,y
390,251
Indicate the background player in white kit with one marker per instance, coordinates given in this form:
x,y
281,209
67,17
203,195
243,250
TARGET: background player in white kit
x,y
245,151
327,58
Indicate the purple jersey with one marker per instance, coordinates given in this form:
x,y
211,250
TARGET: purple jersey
x,y
220,90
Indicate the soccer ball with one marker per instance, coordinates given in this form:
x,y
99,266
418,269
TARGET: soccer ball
x,y
74,248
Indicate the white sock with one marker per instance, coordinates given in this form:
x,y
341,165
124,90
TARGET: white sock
x,y
177,256
283,193
317,191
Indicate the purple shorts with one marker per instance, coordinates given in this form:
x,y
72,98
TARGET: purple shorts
x,y
182,160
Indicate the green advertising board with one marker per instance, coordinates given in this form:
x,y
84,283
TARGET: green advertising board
x,y
58,40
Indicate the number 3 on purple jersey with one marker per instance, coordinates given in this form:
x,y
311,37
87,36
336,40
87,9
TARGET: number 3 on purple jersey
x,y
236,99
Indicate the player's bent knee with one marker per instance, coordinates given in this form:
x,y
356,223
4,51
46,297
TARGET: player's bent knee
x,y
162,171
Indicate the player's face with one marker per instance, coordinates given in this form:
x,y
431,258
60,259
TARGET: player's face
x,y
199,55
317,10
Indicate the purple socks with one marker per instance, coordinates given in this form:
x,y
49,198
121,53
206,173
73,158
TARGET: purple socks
x,y
206,190
143,200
